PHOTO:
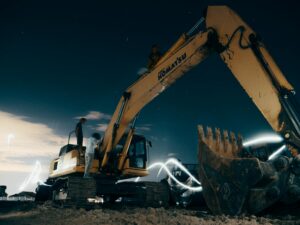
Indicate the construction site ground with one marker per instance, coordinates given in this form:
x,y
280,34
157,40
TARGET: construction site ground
x,y
31,214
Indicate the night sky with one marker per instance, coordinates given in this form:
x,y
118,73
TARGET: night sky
x,y
62,59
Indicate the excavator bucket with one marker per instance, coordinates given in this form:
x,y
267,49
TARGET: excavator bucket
x,y
226,178
234,182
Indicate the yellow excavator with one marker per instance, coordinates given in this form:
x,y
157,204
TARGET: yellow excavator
x,y
123,153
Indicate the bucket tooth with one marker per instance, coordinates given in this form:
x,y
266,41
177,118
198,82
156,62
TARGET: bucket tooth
x,y
227,145
223,142
234,146
209,137
240,142
201,133
219,143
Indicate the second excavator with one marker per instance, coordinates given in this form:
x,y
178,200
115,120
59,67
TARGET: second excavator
x,y
227,178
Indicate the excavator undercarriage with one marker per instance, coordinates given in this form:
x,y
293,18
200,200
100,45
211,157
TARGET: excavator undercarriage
x,y
73,191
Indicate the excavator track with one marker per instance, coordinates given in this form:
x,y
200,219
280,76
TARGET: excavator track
x,y
157,194
74,191
145,194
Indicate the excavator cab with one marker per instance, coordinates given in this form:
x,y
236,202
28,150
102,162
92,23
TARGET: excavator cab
x,y
137,153
135,162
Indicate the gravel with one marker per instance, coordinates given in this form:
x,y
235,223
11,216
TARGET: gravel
x,y
47,214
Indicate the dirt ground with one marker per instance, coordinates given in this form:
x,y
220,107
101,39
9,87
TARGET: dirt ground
x,y
47,215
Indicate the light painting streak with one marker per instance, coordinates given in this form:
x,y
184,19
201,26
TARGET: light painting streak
x,y
162,165
10,137
270,138
277,152
33,177
178,164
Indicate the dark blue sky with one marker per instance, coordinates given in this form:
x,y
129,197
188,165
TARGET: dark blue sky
x,y
61,59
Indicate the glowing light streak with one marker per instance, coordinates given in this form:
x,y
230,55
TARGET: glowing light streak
x,y
162,165
178,164
9,138
269,138
277,152
33,177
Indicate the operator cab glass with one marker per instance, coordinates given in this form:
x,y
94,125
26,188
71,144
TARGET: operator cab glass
x,y
137,152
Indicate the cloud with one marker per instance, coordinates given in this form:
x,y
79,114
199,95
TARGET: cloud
x,y
95,115
144,127
29,139
101,127
22,143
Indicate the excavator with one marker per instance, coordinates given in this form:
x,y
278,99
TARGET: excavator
x,y
233,182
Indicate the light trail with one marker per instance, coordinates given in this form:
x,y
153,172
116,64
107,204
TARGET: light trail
x,y
33,177
268,138
178,164
162,165
9,138
277,152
